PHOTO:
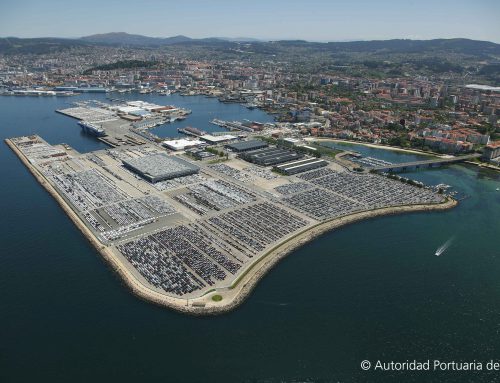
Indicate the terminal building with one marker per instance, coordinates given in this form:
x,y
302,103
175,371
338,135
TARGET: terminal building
x,y
160,167
246,146
300,166
181,144
213,140
271,156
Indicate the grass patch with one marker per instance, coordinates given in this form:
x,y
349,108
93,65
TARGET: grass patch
x,y
325,150
217,298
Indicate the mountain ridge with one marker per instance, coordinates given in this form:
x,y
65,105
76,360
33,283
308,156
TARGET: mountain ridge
x,y
15,45
124,38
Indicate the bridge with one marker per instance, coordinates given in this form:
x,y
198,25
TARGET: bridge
x,y
434,163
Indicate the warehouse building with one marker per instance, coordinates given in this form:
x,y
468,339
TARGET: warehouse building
x,y
159,167
213,140
300,166
181,144
246,146
270,156
200,154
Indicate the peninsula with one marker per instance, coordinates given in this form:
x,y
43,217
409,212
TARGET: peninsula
x,y
197,236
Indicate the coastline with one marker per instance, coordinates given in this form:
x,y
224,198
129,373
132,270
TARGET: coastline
x,y
380,146
409,151
235,294
483,165
245,284
116,264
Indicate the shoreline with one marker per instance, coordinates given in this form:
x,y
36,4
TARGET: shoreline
x,y
380,146
116,264
241,288
483,165
409,151
245,284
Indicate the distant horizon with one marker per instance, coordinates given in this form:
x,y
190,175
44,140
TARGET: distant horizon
x,y
268,20
250,38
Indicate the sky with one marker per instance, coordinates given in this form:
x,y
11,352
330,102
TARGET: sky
x,y
312,20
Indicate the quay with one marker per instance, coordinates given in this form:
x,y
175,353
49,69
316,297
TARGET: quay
x,y
197,237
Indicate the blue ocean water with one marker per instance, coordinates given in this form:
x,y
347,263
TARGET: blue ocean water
x,y
372,290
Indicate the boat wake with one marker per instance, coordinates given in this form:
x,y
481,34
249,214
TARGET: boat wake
x,y
440,250
274,303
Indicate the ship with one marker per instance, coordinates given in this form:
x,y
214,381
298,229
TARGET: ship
x,y
190,131
441,249
92,129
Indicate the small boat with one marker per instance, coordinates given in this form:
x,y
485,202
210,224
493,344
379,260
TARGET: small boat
x,y
440,250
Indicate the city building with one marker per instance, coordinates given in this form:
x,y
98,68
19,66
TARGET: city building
x,y
492,151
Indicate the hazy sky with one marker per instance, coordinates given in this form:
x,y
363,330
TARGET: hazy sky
x,y
318,20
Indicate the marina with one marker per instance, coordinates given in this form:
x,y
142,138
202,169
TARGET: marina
x,y
367,161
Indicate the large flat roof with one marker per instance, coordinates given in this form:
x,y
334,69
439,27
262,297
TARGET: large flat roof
x,y
160,166
221,138
271,156
301,163
247,145
181,143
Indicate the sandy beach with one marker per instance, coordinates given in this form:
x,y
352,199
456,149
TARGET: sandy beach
x,y
234,295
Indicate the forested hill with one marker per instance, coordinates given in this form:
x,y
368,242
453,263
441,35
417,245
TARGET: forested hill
x,y
12,45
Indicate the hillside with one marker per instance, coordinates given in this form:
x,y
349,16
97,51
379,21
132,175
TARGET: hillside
x,y
122,38
480,49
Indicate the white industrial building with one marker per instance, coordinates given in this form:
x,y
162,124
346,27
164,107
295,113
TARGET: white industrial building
x,y
181,144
